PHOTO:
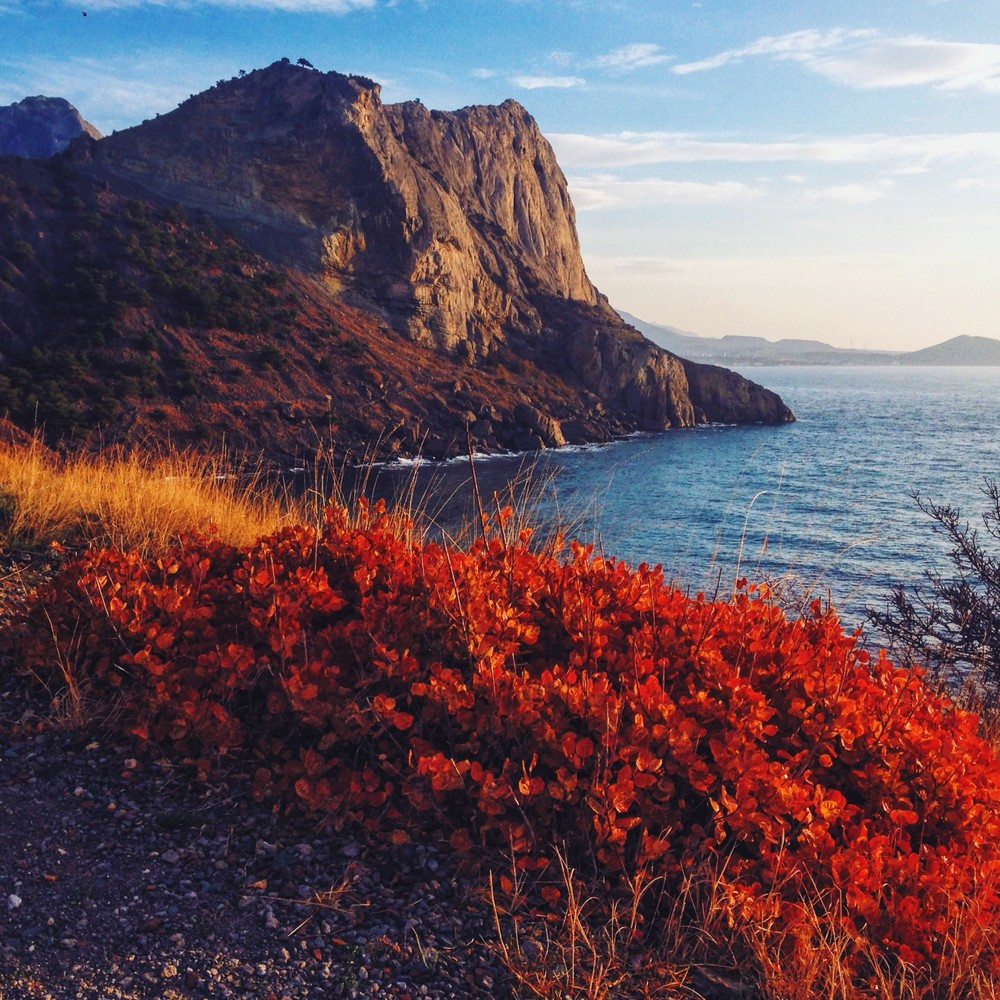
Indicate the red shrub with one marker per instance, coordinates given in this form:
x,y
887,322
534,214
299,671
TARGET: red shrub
x,y
520,700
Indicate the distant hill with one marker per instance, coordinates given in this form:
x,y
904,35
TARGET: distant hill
x,y
748,351
742,350
961,350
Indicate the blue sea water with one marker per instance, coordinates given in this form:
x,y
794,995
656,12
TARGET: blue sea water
x,y
824,505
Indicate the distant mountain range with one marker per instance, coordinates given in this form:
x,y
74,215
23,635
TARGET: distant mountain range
x,y
733,351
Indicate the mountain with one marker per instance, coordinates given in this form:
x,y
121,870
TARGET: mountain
x,y
41,126
961,350
284,259
748,351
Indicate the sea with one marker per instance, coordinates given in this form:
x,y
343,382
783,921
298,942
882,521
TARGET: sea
x,y
824,507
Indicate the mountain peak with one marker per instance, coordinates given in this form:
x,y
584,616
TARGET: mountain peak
x,y
453,232
38,127
451,221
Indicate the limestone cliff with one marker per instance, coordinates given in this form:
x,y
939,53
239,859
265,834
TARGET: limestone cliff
x,y
455,228
446,220
41,126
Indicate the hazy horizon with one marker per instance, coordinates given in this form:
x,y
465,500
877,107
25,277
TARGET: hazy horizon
x,y
798,171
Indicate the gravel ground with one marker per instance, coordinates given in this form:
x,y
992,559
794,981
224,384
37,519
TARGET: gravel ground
x,y
128,877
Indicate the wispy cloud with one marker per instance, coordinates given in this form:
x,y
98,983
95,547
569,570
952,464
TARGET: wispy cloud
x,y
800,46
560,57
284,6
915,61
532,82
627,58
609,191
626,149
851,194
870,59
990,184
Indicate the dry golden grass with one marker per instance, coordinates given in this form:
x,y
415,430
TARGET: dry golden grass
x,y
695,944
132,500
595,950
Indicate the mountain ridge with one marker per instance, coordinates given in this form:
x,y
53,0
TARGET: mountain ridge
x,y
41,126
446,233
963,349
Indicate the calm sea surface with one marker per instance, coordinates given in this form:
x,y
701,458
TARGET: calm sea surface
x,y
824,503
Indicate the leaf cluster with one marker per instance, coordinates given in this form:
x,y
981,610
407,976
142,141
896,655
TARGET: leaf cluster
x,y
518,699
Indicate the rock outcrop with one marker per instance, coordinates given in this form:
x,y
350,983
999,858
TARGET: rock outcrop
x,y
284,260
450,222
457,227
40,126
721,396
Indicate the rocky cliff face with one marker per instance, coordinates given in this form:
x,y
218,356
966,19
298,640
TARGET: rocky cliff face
x,y
382,273
40,126
449,221
457,227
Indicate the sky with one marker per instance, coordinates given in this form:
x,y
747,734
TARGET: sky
x,y
826,169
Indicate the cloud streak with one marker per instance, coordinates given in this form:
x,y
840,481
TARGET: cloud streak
x,y
798,46
625,149
628,58
609,191
851,194
280,6
869,59
529,81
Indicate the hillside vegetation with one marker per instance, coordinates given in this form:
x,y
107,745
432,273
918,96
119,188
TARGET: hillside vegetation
x,y
660,774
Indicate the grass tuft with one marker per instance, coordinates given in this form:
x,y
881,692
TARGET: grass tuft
x,y
132,500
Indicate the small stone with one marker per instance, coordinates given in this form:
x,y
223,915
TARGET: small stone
x,y
171,857
13,901
169,971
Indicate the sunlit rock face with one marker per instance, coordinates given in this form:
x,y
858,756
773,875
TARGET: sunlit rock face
x,y
456,228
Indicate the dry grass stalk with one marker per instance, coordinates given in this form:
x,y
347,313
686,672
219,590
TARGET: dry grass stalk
x,y
133,500
590,951
704,947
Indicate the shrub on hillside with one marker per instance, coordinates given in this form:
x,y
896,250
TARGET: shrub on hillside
x,y
524,700
951,619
